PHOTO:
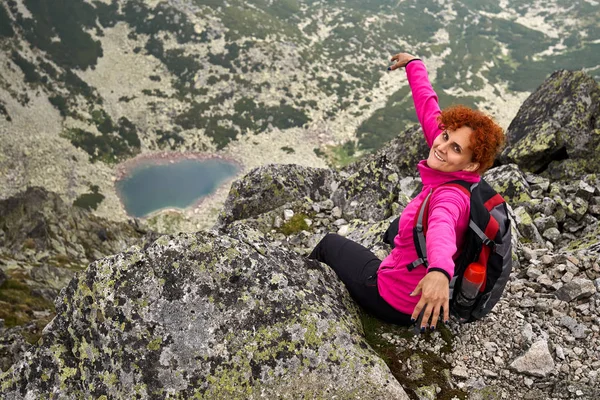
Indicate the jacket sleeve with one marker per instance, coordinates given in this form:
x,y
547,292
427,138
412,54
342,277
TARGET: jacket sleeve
x,y
425,99
448,210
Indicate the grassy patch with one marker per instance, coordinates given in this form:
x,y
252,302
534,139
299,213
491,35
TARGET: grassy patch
x,y
17,303
296,224
434,367
340,155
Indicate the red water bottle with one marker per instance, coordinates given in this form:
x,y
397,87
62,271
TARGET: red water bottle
x,y
472,280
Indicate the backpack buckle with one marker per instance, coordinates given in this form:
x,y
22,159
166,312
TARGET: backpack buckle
x,y
490,243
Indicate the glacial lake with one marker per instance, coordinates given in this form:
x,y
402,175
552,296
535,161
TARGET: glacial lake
x,y
149,186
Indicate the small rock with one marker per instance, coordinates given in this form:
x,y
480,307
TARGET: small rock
x,y
585,191
529,254
544,280
288,214
344,230
537,361
426,392
527,303
489,373
327,205
460,372
278,222
533,272
551,234
578,288
560,353
577,329
340,222
527,332
336,213
567,277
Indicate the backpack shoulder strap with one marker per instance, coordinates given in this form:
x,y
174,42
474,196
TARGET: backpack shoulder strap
x,y
421,223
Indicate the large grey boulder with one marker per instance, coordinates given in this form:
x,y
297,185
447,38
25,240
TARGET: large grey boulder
x,y
557,126
206,316
268,187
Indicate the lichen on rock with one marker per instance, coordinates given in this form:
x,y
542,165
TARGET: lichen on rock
x,y
207,316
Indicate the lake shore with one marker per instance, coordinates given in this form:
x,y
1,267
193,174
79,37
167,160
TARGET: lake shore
x,y
128,167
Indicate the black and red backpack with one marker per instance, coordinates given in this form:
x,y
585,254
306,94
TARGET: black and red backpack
x,y
488,241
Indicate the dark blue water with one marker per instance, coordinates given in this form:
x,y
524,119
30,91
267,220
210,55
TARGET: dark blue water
x,y
179,185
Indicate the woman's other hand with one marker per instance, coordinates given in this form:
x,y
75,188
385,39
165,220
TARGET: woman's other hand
x,y
435,293
401,59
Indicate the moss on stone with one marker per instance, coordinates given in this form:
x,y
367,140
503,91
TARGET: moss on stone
x,y
296,224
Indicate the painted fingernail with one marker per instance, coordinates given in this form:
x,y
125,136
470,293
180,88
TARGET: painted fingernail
x,y
422,329
389,68
446,322
412,320
432,327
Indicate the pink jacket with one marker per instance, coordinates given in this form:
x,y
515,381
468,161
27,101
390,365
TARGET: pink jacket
x,y
448,210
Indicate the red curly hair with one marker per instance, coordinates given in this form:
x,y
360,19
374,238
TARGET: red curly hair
x,y
487,138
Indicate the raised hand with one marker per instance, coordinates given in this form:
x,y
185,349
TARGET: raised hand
x,y
400,60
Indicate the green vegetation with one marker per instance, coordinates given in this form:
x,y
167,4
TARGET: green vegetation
x,y
296,224
31,75
6,29
172,140
17,305
397,115
89,201
115,143
60,103
288,149
248,116
75,47
4,111
340,155
435,369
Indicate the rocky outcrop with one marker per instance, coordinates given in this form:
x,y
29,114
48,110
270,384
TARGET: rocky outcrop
x,y
557,127
206,316
43,243
279,184
39,221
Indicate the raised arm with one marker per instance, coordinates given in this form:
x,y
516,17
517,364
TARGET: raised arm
x,y
424,97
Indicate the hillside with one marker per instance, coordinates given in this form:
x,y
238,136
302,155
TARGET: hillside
x,y
85,85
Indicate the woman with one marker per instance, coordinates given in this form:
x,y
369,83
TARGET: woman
x,y
463,144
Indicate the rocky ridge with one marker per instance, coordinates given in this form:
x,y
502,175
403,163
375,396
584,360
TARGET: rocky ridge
x,y
541,341
43,244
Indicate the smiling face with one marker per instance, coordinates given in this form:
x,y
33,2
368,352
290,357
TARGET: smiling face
x,y
451,151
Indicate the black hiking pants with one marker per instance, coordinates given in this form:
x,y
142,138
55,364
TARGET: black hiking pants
x,y
357,267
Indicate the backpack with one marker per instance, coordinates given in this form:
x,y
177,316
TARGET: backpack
x,y
488,241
